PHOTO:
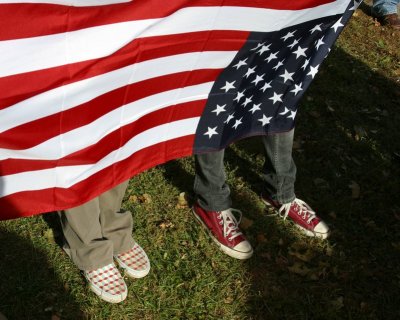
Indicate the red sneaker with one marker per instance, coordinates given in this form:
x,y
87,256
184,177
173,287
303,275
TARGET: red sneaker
x,y
224,230
302,216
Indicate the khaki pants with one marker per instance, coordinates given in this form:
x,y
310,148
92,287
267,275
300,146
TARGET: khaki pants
x,y
97,230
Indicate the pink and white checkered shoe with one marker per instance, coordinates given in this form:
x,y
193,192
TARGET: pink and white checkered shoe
x,y
135,262
107,283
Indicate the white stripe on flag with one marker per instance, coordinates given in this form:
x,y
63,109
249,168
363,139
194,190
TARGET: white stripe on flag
x,y
85,136
77,93
24,55
67,176
74,3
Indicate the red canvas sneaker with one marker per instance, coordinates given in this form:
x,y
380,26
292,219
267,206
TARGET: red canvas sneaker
x,y
224,230
135,262
107,283
301,214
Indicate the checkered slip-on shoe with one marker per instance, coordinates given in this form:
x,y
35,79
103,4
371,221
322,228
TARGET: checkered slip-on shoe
x,y
107,283
135,262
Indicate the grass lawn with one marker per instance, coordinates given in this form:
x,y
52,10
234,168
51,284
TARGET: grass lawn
x,y
347,151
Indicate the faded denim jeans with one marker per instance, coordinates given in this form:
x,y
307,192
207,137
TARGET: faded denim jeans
x,y
279,174
384,7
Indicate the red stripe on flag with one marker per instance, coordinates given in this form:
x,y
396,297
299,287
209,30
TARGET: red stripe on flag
x,y
111,142
46,19
20,87
32,133
20,204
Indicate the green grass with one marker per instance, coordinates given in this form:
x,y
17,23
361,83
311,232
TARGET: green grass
x,y
347,134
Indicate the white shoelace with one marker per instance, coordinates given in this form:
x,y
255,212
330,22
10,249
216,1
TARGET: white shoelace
x,y
304,210
230,223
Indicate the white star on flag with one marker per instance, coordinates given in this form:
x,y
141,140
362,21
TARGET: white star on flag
x,y
337,25
296,41
249,72
316,28
210,132
276,98
313,71
228,86
300,52
319,43
297,88
260,44
265,120
287,76
258,79
284,111
263,49
278,65
240,64
237,123
230,117
240,95
292,115
288,35
266,86
247,101
272,56
304,66
255,108
219,109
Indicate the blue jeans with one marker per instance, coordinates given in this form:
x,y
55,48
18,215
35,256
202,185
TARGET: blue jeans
x,y
384,7
279,174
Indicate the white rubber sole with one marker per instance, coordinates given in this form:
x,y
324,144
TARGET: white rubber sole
x,y
230,252
137,274
111,298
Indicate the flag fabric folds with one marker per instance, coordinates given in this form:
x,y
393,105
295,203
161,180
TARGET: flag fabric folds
x,y
96,91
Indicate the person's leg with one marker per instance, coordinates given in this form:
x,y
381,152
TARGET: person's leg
x,y
84,241
116,225
210,187
213,206
279,171
91,252
279,175
384,7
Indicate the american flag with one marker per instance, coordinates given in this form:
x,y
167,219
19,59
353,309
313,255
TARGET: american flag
x,y
96,91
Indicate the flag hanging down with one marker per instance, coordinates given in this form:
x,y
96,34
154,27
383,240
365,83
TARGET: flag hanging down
x,y
96,91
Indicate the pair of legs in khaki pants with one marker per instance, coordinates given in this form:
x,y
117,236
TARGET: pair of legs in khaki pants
x,y
98,232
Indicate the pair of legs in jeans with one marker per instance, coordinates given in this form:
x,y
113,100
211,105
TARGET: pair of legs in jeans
x,y
213,205
279,174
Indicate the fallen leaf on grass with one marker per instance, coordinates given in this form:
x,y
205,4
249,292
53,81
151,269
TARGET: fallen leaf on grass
x,y
355,190
228,300
246,223
338,303
55,317
146,198
261,238
166,225
300,269
182,201
133,199
303,256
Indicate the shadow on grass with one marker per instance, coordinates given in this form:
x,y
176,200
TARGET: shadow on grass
x,y
29,288
346,151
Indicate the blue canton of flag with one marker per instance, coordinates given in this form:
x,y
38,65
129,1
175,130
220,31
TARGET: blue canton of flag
x,y
259,92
